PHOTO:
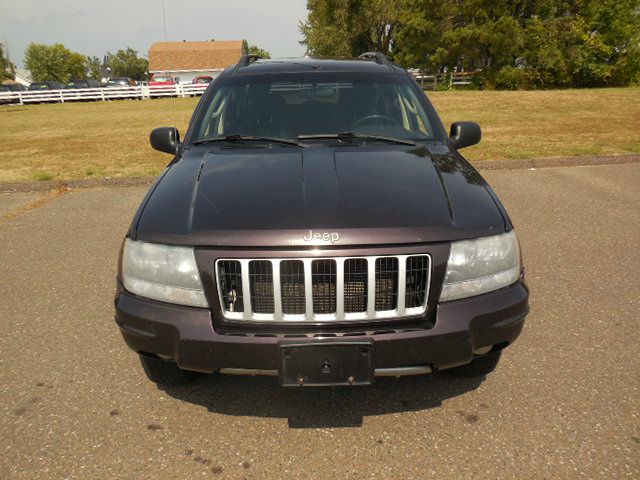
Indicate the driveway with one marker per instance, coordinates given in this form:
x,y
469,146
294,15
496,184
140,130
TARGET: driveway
x,y
564,403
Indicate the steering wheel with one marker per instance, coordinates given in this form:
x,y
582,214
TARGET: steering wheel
x,y
368,118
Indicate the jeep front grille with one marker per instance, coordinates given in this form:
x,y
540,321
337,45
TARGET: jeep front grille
x,y
324,289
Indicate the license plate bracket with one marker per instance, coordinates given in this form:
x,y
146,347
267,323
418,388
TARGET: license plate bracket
x,y
326,364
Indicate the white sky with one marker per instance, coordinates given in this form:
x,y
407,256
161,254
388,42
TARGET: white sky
x,y
93,27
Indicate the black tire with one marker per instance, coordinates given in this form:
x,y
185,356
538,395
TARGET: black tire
x,y
478,367
164,372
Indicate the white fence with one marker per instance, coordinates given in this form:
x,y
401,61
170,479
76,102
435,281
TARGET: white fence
x,y
102,94
455,79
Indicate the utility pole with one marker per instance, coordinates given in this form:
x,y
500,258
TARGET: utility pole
x,y
164,21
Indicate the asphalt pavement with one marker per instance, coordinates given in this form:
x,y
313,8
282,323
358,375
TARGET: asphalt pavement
x,y
564,402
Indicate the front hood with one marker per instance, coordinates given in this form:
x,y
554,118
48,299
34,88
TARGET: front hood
x,y
317,196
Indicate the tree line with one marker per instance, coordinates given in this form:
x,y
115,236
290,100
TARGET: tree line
x,y
56,62
510,43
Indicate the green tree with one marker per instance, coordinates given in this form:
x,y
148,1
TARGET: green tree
x,y
94,66
126,63
612,42
512,43
347,28
54,62
6,69
254,50
421,25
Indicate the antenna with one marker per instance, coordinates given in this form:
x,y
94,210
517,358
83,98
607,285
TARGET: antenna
x,y
164,21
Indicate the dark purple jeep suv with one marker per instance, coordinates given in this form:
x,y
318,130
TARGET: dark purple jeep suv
x,y
318,224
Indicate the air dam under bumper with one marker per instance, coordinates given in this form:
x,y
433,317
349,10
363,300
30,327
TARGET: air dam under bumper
x,y
187,335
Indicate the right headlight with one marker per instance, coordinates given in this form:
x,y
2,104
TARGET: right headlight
x,y
481,265
162,272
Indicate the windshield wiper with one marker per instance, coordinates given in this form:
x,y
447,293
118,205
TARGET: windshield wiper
x,y
248,138
350,135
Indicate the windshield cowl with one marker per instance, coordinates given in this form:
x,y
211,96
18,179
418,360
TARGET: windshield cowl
x,y
351,136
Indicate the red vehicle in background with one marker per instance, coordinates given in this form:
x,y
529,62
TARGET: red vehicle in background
x,y
202,80
162,81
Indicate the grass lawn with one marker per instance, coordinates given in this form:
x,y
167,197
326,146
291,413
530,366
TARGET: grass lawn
x,y
97,139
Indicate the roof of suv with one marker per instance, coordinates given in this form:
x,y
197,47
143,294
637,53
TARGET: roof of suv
x,y
292,65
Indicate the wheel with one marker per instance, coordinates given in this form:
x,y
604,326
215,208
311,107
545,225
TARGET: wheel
x,y
479,366
164,372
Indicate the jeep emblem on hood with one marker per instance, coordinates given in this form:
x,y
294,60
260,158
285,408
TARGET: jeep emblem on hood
x,y
312,236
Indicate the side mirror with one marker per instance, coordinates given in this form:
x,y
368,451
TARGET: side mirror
x,y
165,139
465,134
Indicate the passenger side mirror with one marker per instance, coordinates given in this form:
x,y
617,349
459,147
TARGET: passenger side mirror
x,y
165,139
465,134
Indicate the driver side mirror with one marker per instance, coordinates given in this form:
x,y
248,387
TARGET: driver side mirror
x,y
165,139
465,134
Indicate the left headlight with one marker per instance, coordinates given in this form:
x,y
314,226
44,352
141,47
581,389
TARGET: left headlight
x,y
162,272
481,265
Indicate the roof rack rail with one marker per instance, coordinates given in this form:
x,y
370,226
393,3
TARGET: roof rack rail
x,y
248,59
378,57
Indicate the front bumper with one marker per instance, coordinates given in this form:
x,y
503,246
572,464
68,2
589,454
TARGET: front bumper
x,y
187,335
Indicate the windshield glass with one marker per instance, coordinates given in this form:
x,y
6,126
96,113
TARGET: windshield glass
x,y
293,105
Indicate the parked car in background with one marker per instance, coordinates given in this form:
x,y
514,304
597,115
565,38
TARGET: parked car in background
x,y
202,79
124,85
84,83
121,82
46,85
162,81
11,88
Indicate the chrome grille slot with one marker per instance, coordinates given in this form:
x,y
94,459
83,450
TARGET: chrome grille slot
x,y
355,285
261,284
323,289
324,283
292,287
416,284
386,283
230,281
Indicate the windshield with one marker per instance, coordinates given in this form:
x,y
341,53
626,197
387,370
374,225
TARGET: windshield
x,y
315,104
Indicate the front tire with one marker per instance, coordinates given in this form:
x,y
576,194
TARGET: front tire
x,y
164,372
478,367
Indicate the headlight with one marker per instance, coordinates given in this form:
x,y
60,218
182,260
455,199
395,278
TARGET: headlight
x,y
481,265
162,272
